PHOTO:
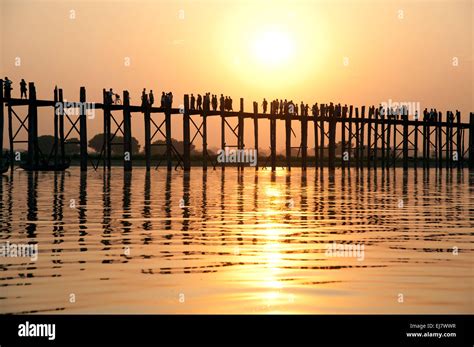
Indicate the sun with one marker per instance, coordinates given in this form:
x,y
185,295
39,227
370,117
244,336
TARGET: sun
x,y
273,48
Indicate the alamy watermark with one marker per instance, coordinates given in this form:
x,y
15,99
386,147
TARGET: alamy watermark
x,y
341,250
397,108
76,108
19,250
228,155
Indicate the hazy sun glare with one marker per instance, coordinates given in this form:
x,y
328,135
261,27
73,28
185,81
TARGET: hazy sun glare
x,y
273,48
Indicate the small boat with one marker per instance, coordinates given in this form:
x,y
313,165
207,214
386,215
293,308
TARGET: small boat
x,y
46,166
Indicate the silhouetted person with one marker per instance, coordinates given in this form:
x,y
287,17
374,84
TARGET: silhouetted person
x,y
315,110
169,99
199,102
222,103
193,102
264,105
230,104
23,89
214,102
144,98
306,110
163,99
207,102
8,88
151,98
110,96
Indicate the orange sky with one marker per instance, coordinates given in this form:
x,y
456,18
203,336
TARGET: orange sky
x,y
398,50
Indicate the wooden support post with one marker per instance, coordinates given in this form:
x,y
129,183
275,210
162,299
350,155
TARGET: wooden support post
x,y
357,150
240,133
33,150
362,134
389,146
316,139
186,136
350,136
323,135
2,122
304,139
288,139
147,119
459,141
415,142
127,133
471,141
56,128
222,133
382,137
204,138
439,146
343,137
376,135
405,141
395,144
83,128
62,150
448,130
169,164
107,149
273,140
332,141
255,130
369,137
10,137
425,141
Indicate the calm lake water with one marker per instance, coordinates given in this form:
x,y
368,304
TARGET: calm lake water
x,y
239,242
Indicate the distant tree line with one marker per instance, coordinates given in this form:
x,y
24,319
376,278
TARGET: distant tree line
x,y
72,147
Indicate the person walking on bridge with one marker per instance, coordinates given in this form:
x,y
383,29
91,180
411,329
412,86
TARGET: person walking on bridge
x,y
144,98
151,98
193,102
23,89
222,103
8,88
264,105
199,102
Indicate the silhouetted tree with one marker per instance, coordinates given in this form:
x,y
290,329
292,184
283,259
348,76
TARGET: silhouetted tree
x,y
97,142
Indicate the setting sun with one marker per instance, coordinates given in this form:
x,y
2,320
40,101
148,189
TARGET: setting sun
x,y
273,48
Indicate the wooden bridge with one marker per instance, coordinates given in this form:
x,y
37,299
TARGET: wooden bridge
x,y
380,140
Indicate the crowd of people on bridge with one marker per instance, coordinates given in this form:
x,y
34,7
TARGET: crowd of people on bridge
x,y
208,102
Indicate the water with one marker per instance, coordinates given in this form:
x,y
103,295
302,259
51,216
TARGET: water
x,y
230,242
